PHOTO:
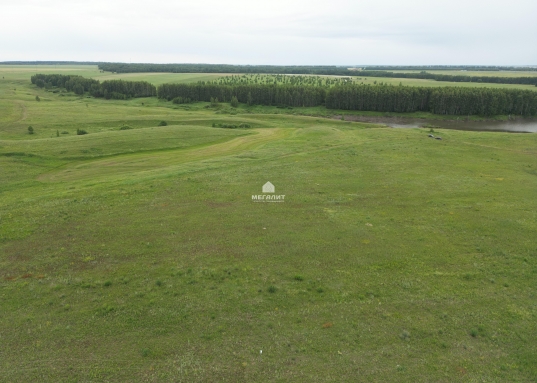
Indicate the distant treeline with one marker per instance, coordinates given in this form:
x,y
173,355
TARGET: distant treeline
x,y
49,63
449,67
110,89
315,70
450,77
223,68
444,100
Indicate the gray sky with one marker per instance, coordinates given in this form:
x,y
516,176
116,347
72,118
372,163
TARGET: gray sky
x,y
335,32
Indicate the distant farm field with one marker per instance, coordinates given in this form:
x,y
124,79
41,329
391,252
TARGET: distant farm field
x,y
136,252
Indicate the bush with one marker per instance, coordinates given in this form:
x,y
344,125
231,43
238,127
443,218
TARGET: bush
x,y
272,289
234,102
65,132
181,100
30,130
125,127
81,132
37,98
162,123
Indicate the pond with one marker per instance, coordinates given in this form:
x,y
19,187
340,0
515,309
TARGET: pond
x,y
515,125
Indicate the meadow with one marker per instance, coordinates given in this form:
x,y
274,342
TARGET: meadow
x,y
138,254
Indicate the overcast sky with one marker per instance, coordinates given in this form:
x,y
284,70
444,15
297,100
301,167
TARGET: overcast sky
x,y
334,32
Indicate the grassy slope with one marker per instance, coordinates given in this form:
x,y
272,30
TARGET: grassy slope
x,y
394,258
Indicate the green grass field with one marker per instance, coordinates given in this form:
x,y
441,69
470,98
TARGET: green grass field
x,y
138,255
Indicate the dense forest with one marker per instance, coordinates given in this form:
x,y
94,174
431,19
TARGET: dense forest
x,y
110,89
382,98
315,70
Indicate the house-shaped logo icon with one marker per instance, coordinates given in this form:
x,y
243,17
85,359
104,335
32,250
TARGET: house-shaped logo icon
x,y
268,188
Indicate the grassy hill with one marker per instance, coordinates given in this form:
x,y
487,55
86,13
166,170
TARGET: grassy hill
x,y
139,255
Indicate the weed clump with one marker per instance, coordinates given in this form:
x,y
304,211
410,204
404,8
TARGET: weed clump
x,y
30,130
232,126
125,127
81,132
299,278
405,335
272,289
162,123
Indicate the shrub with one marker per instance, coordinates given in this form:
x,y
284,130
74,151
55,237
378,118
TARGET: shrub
x,y
30,130
125,127
65,132
272,289
234,102
162,123
57,133
244,126
214,102
299,278
81,132
37,98
181,100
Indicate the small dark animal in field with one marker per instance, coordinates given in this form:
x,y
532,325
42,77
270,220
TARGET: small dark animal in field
x,y
438,138
430,135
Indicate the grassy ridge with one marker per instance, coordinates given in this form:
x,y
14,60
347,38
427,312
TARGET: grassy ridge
x,y
395,257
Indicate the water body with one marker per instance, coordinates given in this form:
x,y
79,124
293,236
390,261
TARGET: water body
x,y
513,126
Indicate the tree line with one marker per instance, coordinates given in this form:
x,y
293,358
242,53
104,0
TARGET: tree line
x,y
492,68
319,70
346,95
452,78
445,100
381,98
109,89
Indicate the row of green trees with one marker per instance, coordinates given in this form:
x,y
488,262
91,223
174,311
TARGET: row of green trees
x,y
76,84
124,89
110,89
452,78
262,94
445,100
492,68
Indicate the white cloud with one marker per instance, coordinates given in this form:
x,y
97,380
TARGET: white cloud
x,y
271,32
